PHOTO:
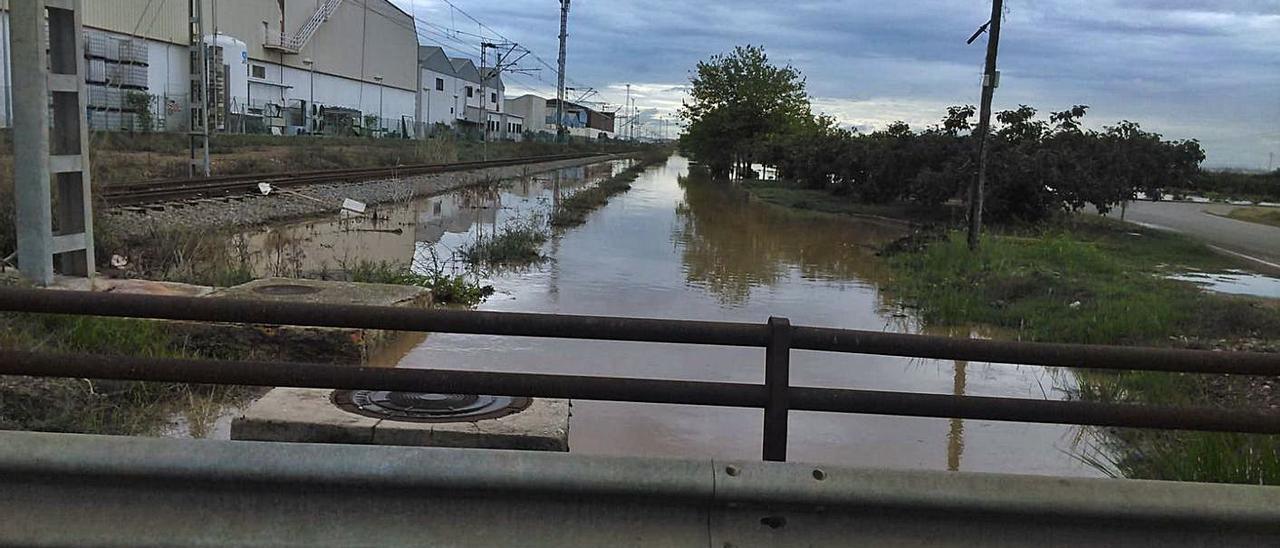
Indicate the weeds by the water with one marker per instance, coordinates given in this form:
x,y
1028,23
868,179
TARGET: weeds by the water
x,y
100,406
446,288
573,210
518,242
1097,281
782,193
1215,457
1085,282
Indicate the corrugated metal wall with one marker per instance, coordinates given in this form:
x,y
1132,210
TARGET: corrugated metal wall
x,y
165,19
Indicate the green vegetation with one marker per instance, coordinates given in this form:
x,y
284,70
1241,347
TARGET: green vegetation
x,y
744,111
1098,281
446,288
1173,455
1257,187
519,242
789,195
736,101
98,406
573,210
1086,281
1190,456
1261,215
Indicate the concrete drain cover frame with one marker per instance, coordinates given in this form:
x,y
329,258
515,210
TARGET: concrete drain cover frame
x,y
427,407
286,289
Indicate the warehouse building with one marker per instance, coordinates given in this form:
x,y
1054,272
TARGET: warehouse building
x,y
279,66
579,120
453,95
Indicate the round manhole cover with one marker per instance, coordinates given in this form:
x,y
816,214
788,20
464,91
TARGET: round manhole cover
x,y
286,289
427,406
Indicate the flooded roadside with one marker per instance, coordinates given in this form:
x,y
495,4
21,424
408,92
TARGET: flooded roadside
x,y
675,247
1234,282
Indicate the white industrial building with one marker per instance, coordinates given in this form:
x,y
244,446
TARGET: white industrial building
x,y
353,58
284,67
452,93
579,120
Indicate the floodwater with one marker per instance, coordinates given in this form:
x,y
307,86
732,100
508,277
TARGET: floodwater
x,y
1234,282
675,247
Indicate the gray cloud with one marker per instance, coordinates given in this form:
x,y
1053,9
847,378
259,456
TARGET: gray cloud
x,y
1186,68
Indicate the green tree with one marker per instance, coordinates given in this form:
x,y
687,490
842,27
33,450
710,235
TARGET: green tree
x,y
736,101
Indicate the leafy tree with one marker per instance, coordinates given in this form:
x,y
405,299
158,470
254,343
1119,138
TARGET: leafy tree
x,y
736,100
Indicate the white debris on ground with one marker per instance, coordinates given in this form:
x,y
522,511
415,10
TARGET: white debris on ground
x,y
256,209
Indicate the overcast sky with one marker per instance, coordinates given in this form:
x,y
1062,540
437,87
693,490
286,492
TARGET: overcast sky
x,y
1200,69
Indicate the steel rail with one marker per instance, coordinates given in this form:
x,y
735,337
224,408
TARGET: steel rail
x,y
721,394
229,185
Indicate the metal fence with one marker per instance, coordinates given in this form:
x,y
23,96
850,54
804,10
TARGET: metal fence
x,y
776,396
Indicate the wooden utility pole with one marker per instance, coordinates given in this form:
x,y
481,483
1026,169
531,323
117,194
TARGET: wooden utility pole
x,y
990,79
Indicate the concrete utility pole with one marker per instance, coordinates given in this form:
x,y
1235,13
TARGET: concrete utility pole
x,y
41,149
484,107
626,108
378,78
564,35
311,98
990,79
199,130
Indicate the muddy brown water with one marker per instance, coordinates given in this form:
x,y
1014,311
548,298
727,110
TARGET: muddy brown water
x,y
678,247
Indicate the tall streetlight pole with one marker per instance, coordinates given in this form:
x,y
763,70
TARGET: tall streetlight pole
x,y
990,79
311,99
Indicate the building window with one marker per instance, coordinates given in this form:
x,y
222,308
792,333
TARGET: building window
x,y
493,97
439,84
470,92
258,71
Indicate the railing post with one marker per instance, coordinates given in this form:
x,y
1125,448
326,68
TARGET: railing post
x,y
777,382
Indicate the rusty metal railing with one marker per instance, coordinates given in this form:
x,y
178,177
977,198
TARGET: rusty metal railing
x,y
776,396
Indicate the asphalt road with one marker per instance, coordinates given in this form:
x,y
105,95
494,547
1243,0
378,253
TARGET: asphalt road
x,y
1257,241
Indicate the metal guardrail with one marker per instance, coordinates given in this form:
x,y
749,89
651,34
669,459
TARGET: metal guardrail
x,y
776,396
79,490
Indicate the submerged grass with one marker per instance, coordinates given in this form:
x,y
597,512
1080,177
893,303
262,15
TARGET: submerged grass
x,y
1176,455
573,210
1082,281
782,193
446,288
518,242
1101,282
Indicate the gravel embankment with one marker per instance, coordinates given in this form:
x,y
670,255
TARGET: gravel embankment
x,y
312,200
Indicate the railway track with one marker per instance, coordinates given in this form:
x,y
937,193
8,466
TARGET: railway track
x,y
233,185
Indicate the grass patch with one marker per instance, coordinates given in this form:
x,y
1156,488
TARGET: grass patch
x,y
1260,215
573,210
1083,281
446,288
1102,282
102,406
1190,456
784,194
519,242
1176,455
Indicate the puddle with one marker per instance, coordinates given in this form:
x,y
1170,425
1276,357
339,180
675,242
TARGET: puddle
x,y
1234,282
